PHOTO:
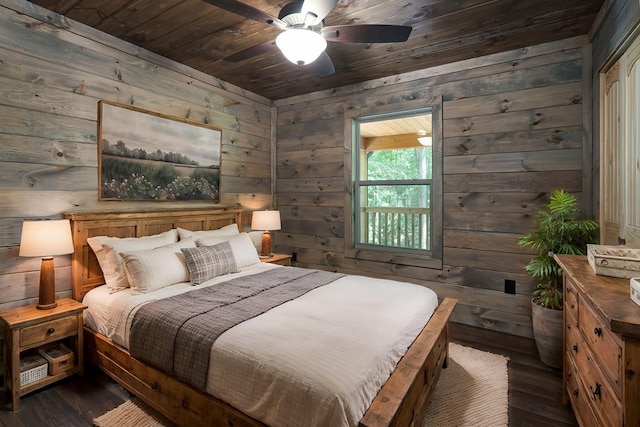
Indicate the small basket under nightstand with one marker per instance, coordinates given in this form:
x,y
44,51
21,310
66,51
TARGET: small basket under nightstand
x,y
32,368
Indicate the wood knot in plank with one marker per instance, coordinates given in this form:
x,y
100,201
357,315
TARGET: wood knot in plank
x,y
80,90
556,138
34,25
504,106
538,119
462,148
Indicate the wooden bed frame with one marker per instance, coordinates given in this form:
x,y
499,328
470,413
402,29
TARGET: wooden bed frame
x,y
400,402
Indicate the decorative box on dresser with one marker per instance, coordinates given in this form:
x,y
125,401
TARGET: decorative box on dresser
x,y
601,346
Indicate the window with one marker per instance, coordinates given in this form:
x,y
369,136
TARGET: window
x,y
396,177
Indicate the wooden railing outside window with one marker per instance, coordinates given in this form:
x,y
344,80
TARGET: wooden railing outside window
x,y
396,227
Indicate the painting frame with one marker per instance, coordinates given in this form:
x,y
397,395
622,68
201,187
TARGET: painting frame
x,y
149,156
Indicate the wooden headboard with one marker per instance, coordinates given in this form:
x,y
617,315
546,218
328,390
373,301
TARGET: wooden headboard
x,y
85,270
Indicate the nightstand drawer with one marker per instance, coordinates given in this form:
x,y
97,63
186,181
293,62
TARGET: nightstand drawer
x,y
49,331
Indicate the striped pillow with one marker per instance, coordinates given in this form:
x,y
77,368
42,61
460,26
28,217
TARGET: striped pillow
x,y
153,269
207,262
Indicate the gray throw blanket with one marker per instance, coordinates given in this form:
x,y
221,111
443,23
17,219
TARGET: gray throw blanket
x,y
176,334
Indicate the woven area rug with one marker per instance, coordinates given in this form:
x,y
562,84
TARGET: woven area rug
x,y
472,391
132,413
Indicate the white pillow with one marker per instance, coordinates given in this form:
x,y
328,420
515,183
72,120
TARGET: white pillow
x,y
241,245
113,270
152,269
227,230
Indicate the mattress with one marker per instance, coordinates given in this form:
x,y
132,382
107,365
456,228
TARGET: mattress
x,y
318,360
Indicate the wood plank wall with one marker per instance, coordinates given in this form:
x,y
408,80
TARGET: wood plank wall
x,y
514,129
53,72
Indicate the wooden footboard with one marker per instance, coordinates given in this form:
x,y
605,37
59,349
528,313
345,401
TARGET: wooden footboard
x,y
400,402
179,402
403,398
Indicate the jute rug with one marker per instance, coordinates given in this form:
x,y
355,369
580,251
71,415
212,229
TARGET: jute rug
x,y
472,391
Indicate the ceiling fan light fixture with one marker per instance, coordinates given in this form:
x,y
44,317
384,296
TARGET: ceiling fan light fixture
x,y
427,141
301,46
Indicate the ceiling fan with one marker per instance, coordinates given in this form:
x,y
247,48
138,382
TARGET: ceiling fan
x,y
304,37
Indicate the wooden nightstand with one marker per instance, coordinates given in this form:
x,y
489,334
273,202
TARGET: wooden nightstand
x,y
280,259
28,329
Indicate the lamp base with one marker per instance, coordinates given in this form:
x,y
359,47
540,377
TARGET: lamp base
x,y
266,244
47,293
46,306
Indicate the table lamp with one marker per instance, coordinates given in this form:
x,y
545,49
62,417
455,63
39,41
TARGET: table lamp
x,y
266,220
46,239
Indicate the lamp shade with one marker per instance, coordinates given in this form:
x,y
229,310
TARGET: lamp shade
x,y
46,238
266,220
301,46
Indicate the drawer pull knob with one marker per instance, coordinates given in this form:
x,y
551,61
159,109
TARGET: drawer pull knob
x,y
575,392
568,325
597,331
573,306
596,391
50,330
575,348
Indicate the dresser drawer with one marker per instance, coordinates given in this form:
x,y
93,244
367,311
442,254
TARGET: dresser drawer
x,y
593,384
578,396
571,299
48,331
603,343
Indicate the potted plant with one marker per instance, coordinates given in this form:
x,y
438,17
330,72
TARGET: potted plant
x,y
558,232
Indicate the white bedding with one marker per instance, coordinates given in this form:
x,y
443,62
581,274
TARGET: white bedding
x,y
318,360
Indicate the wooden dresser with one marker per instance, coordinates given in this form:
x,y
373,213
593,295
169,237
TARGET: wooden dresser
x,y
601,346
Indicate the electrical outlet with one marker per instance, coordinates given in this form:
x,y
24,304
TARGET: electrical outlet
x,y
509,286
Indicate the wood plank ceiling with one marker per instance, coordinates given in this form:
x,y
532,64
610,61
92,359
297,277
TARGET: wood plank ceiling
x,y
201,35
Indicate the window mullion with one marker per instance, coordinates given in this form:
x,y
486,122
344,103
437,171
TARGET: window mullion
x,y
394,182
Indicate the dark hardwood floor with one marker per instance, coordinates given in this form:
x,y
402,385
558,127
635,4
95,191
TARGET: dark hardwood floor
x,y
534,389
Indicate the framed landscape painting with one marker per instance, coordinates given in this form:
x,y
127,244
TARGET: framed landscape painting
x,y
144,155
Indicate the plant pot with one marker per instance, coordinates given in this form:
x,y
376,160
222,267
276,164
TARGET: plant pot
x,y
548,332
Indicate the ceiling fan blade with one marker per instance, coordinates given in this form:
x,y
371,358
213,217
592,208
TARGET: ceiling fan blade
x,y
363,33
251,52
319,8
247,11
323,66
